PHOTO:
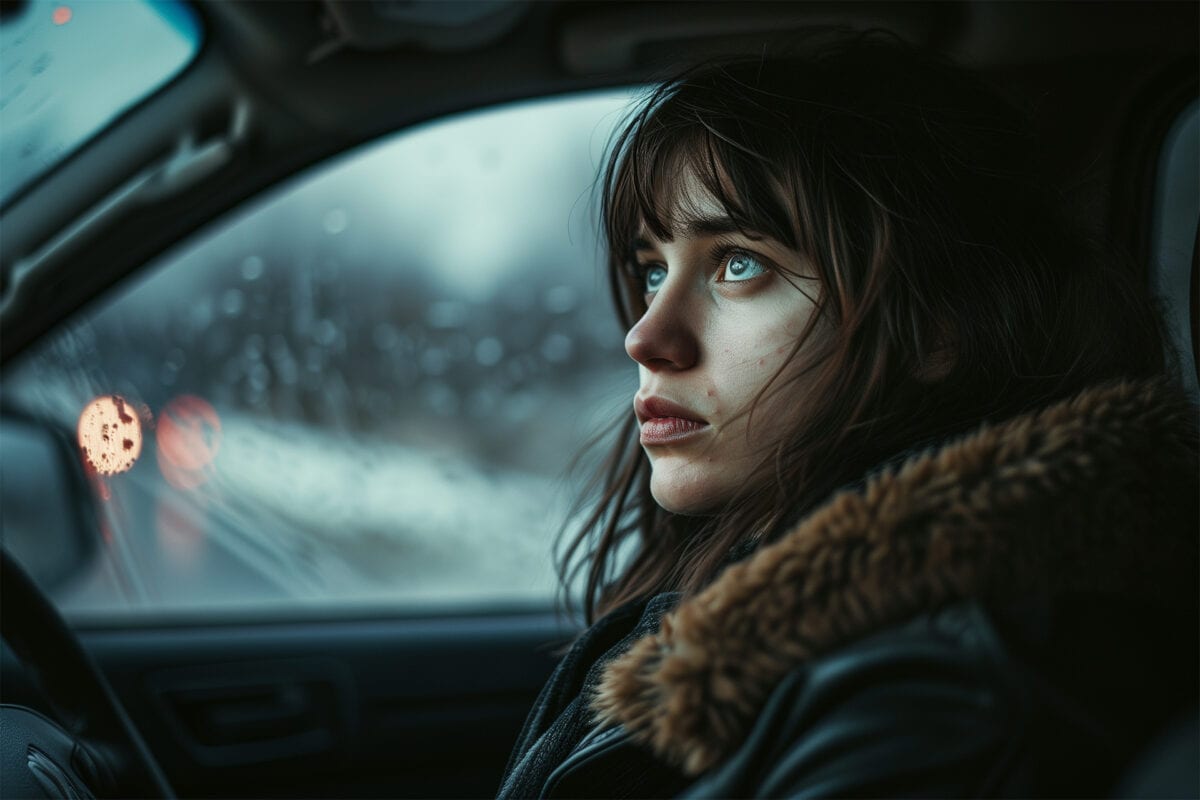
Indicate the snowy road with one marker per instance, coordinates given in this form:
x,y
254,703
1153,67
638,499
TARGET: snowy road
x,y
290,514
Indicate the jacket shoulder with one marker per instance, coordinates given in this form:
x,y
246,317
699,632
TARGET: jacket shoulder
x,y
931,707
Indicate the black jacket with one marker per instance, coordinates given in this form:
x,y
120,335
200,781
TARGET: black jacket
x,y
1012,613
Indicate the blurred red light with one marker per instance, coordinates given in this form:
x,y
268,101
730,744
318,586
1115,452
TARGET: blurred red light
x,y
62,15
188,436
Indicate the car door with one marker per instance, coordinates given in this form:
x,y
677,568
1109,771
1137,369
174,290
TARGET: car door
x,y
326,443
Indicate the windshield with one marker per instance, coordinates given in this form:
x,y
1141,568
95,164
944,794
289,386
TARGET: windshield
x,y
69,70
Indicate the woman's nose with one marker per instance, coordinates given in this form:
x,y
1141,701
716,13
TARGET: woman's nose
x,y
665,337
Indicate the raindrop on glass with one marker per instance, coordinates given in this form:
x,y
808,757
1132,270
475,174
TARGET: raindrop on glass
x,y
260,377
336,220
556,348
489,351
252,268
176,358
325,333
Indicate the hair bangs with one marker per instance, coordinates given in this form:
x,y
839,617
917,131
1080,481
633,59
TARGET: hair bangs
x,y
671,157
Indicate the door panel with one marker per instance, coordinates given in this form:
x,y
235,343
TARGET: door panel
x,y
424,707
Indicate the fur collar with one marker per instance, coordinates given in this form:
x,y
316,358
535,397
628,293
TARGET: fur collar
x,y
1094,494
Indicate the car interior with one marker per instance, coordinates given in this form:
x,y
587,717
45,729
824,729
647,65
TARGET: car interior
x,y
375,696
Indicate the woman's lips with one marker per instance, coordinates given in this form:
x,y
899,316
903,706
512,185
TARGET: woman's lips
x,y
669,430
665,422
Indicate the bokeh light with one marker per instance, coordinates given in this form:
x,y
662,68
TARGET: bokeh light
x,y
62,15
110,435
188,436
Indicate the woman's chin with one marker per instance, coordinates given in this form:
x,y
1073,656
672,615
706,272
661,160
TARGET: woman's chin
x,y
684,494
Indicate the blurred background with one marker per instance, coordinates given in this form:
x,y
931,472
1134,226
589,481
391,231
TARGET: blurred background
x,y
367,387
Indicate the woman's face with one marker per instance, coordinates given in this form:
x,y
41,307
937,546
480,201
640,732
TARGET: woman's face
x,y
721,321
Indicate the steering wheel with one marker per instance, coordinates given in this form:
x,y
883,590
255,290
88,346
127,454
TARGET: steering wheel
x,y
96,751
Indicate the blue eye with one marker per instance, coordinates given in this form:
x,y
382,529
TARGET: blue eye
x,y
652,278
742,267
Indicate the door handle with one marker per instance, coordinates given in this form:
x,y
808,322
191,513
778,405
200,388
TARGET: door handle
x,y
240,714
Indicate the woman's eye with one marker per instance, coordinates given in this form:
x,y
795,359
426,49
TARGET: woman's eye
x,y
741,267
653,278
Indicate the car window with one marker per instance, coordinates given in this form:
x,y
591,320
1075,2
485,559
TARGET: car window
x,y
67,73
364,388
1176,216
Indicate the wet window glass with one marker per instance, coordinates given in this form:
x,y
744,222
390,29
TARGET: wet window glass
x,y
365,388
67,73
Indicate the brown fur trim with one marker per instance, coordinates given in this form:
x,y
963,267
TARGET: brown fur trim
x,y
1097,493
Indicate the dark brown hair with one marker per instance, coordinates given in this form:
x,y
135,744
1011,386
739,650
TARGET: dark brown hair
x,y
954,290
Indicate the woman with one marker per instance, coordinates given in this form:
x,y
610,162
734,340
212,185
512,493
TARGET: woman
x,y
906,491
